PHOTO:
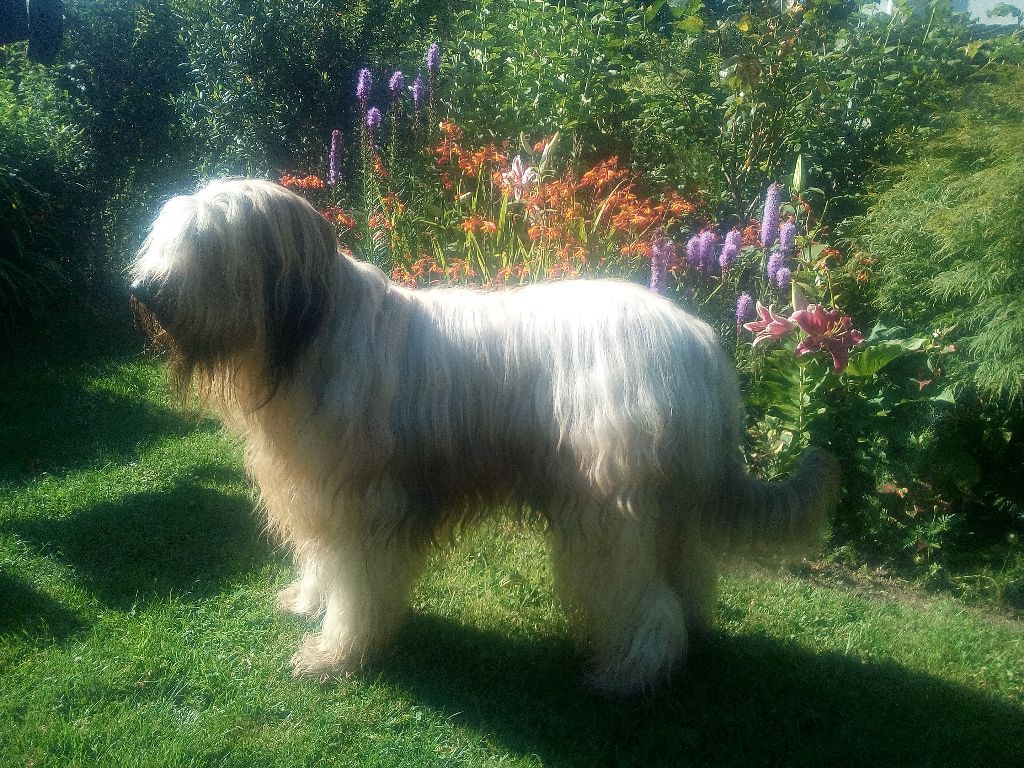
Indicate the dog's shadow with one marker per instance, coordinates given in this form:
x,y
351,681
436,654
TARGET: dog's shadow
x,y
32,613
741,700
81,397
186,539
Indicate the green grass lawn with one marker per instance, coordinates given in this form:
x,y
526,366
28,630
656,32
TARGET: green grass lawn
x,y
137,626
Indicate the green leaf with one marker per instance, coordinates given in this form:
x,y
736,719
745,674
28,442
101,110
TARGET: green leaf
x,y
799,175
691,25
653,10
871,360
972,48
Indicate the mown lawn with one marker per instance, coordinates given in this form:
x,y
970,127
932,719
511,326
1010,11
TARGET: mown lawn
x,y
137,626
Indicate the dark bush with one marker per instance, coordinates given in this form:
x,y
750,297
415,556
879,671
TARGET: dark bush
x,y
42,164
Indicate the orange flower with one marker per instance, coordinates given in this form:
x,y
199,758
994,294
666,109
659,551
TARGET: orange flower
x,y
606,173
477,223
302,182
450,129
447,152
459,269
426,267
378,167
832,253
677,206
472,163
562,270
517,272
638,248
392,204
550,232
402,276
573,252
337,215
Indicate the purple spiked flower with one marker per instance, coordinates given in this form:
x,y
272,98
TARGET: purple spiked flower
x,y
363,86
775,262
787,238
770,217
706,249
730,249
663,252
419,90
373,118
744,309
693,251
782,278
433,58
396,83
334,160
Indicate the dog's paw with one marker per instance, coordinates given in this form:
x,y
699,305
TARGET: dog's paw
x,y
293,599
288,598
314,661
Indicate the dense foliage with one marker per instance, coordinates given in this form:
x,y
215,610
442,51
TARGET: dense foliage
x,y
947,240
149,96
944,241
40,162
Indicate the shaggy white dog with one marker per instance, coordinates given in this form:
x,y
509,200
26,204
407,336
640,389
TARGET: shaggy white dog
x,y
375,418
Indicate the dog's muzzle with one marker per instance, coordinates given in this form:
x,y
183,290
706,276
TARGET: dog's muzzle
x,y
156,295
150,302
144,291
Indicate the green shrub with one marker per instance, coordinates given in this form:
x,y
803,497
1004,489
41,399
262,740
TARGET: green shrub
x,y
41,169
148,97
947,240
124,60
84,145
942,241
545,67
725,102
269,82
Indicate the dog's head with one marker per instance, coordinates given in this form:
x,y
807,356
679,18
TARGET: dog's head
x,y
240,270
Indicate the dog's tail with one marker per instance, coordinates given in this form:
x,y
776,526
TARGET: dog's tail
x,y
787,516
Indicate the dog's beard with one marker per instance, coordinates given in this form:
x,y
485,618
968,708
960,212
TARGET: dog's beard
x,y
158,338
163,343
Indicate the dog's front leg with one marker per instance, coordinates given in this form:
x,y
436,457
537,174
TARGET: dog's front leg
x,y
364,585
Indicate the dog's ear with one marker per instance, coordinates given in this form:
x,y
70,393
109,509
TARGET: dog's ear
x,y
299,286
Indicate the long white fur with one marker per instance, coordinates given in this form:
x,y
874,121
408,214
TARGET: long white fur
x,y
598,404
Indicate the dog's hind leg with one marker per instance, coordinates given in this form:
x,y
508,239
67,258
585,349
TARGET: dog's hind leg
x,y
692,573
607,571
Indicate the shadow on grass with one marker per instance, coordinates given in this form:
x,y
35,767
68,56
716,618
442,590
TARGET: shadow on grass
x,y
68,427
741,701
35,614
53,419
188,539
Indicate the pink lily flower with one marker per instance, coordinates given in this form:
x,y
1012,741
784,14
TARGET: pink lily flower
x,y
828,330
770,326
519,178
